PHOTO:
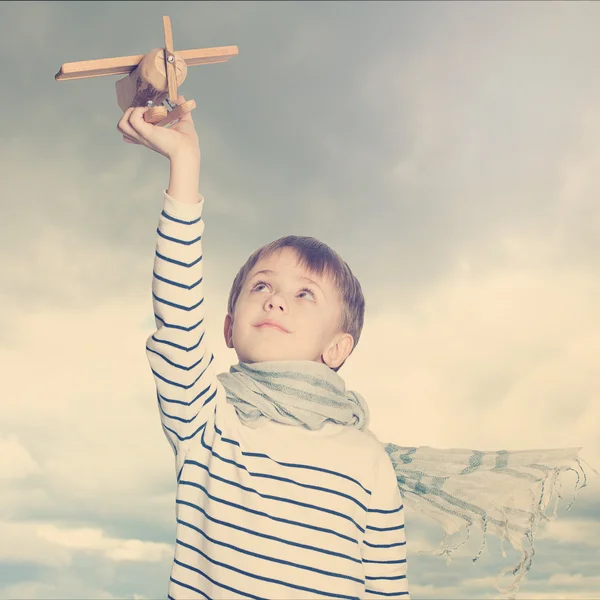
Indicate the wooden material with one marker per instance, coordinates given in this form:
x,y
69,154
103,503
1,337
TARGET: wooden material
x,y
159,116
126,64
151,78
148,82
170,61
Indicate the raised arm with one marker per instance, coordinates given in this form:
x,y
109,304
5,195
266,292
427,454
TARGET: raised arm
x,y
179,356
384,544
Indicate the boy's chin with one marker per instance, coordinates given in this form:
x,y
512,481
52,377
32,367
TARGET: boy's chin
x,y
259,357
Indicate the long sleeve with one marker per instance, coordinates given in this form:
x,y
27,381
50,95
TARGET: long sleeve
x,y
178,354
384,544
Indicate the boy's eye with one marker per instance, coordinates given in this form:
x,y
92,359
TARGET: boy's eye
x,y
257,285
307,291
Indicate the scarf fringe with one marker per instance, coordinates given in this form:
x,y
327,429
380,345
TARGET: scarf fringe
x,y
462,506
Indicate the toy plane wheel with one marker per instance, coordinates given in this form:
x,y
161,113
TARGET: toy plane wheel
x,y
158,115
155,114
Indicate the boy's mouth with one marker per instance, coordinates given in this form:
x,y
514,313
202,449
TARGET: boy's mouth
x,y
272,324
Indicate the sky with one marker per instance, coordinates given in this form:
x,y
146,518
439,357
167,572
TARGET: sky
x,y
450,152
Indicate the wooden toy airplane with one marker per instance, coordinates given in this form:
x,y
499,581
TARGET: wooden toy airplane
x,y
153,78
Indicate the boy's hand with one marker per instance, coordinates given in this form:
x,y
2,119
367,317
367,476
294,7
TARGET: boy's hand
x,y
180,138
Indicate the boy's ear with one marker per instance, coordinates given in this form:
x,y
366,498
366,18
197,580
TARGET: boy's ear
x,y
339,351
228,331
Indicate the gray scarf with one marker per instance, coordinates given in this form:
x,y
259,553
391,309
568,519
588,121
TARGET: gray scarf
x,y
505,493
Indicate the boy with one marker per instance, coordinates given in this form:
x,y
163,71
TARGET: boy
x,y
281,491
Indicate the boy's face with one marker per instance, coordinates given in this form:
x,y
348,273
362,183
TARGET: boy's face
x,y
305,306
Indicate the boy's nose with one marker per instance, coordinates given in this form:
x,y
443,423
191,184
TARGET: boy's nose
x,y
276,302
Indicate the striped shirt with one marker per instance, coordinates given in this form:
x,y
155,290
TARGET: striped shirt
x,y
270,512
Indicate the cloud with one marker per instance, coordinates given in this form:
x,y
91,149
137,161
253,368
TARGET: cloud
x,y
16,460
30,589
95,540
564,595
78,562
35,589
22,542
572,531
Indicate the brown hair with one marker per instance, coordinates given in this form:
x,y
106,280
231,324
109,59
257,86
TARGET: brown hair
x,y
319,259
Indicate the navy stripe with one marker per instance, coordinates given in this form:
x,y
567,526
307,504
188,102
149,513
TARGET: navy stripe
x,y
178,306
175,418
367,591
267,515
175,383
177,262
384,528
266,536
172,401
271,497
188,404
293,465
179,346
385,562
221,585
177,240
176,283
267,558
187,437
179,327
171,218
383,545
189,587
177,365
386,578
259,577
385,512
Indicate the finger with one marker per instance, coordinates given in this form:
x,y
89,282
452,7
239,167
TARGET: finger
x,y
130,140
130,134
129,124
138,123
124,119
124,125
